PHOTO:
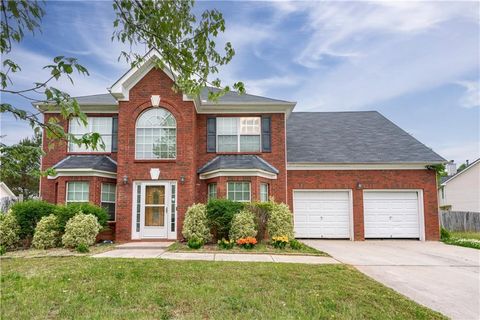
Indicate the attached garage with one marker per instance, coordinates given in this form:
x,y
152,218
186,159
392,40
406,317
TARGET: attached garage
x,y
322,213
393,214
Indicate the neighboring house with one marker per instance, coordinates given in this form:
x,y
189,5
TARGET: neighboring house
x,y
351,175
7,197
461,191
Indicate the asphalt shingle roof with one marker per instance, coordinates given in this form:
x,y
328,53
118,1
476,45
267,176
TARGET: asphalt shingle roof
x,y
237,162
96,162
352,137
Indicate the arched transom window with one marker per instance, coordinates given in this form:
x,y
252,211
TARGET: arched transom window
x,y
156,135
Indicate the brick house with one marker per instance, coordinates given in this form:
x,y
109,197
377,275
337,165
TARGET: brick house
x,y
352,175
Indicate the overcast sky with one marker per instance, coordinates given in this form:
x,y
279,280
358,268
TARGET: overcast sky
x,y
415,62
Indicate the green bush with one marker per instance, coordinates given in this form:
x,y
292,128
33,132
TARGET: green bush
x,y
195,225
2,250
444,234
220,213
295,244
261,210
226,244
9,231
280,221
195,243
46,234
29,213
243,226
66,212
82,248
81,229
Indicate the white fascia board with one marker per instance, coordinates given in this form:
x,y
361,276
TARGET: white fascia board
x,y
237,173
89,108
82,172
357,166
245,108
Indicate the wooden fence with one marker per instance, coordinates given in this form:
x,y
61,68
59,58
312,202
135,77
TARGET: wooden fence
x,y
460,220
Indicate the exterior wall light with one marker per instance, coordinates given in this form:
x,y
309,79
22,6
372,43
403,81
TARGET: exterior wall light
x,y
155,100
182,179
359,185
125,179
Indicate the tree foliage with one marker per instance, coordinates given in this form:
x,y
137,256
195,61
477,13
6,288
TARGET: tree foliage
x,y
20,166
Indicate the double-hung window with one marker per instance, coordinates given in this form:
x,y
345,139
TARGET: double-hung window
x,y
77,191
238,191
239,134
212,191
100,125
108,199
263,192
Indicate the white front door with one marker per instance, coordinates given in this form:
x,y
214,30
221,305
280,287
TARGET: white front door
x,y
154,208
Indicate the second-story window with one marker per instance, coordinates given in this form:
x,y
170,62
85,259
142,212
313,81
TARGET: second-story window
x,y
100,125
156,135
240,134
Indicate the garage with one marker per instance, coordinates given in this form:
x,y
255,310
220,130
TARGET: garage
x,y
322,213
392,214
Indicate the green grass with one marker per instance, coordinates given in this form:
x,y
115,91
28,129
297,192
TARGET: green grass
x,y
463,239
57,252
261,247
89,288
465,235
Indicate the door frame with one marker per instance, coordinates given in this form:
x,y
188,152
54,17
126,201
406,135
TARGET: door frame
x,y
421,215
350,205
170,215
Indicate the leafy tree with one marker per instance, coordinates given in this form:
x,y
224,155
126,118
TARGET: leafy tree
x,y
187,43
20,166
461,167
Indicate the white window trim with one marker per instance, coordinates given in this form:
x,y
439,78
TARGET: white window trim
x,y
90,130
164,127
208,190
238,120
114,202
249,190
76,201
268,191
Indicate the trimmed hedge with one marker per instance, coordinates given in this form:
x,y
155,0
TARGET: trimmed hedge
x,y
280,221
243,226
29,213
195,226
81,230
46,233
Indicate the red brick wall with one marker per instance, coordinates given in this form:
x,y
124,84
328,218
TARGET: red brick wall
x,y
276,158
372,179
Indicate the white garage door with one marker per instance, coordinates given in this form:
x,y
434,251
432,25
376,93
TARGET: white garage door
x,y
321,214
391,214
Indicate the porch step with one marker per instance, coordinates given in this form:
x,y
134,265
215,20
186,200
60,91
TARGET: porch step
x,y
145,245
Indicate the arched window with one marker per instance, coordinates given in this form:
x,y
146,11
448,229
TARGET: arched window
x,y
156,135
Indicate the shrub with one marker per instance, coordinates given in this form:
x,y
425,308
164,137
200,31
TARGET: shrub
x,y
243,225
247,243
226,244
81,229
66,212
279,242
444,234
280,222
29,213
9,230
195,243
295,244
220,213
82,248
261,210
46,234
195,225
2,250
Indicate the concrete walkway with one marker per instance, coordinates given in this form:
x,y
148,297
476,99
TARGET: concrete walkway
x,y
143,250
442,277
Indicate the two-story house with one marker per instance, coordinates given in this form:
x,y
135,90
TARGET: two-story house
x,y
351,175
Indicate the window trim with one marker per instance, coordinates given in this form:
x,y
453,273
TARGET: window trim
x,y
163,127
249,191
114,202
75,201
239,135
268,191
212,184
90,130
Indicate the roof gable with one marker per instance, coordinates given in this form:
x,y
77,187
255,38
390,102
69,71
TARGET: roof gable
x,y
448,179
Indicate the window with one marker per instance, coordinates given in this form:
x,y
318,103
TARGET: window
x,y
77,191
264,192
212,191
239,191
101,125
156,136
443,192
108,199
238,134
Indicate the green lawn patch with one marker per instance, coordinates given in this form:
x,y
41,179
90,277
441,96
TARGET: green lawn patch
x,y
57,252
463,239
261,247
89,288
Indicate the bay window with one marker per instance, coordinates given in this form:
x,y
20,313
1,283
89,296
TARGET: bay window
x,y
77,191
263,192
108,195
238,191
239,134
212,191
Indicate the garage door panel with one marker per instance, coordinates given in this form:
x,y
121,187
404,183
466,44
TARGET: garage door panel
x,y
322,214
391,214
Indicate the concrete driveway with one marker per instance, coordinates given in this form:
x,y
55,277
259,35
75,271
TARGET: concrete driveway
x,y
442,277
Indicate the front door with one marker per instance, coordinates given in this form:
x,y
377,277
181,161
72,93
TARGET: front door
x,y
154,211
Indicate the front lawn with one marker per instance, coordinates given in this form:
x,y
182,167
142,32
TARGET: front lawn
x,y
261,247
57,252
463,239
89,288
